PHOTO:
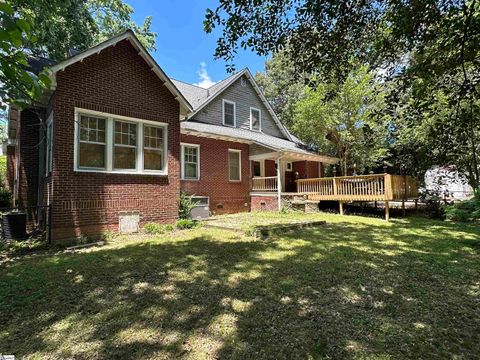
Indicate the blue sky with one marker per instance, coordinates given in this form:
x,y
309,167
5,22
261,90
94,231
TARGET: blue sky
x,y
182,45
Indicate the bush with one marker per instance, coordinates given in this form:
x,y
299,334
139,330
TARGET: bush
x,y
154,228
108,235
463,211
186,224
185,205
5,197
434,204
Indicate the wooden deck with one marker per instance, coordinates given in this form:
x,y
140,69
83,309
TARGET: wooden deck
x,y
376,187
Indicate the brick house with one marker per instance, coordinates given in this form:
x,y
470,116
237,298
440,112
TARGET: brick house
x,y
116,135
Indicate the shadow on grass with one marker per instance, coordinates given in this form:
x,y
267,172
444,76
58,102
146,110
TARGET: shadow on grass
x,y
344,290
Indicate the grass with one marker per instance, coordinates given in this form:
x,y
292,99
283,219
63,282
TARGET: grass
x,y
354,288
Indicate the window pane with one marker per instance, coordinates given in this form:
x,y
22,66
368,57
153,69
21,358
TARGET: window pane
x,y
125,133
256,168
124,157
234,165
153,159
92,155
191,171
153,137
255,114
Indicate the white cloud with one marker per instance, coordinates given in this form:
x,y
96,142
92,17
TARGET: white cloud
x,y
205,80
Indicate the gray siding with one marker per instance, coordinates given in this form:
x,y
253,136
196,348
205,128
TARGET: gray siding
x,y
244,98
256,149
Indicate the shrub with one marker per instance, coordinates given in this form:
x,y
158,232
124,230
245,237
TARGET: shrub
x,y
154,228
434,204
185,205
186,223
108,235
463,211
5,197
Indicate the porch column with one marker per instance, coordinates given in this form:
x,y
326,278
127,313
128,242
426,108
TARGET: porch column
x,y
279,183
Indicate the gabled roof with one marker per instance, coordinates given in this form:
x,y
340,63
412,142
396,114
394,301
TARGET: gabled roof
x,y
254,137
200,97
130,36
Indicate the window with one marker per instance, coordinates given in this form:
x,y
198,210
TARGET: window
x,y
255,119
92,142
125,147
258,168
49,156
229,113
118,144
234,165
153,148
190,162
289,166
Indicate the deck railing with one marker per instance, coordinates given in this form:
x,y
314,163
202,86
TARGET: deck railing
x,y
360,188
268,183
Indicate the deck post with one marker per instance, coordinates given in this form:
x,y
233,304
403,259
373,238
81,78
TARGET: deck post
x,y
387,211
340,204
279,185
403,207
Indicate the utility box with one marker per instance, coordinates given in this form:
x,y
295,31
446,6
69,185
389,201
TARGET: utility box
x,y
202,207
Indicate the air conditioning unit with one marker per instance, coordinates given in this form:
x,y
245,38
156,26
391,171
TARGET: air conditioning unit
x,y
202,207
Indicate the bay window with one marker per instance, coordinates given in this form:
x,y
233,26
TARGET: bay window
x,y
117,144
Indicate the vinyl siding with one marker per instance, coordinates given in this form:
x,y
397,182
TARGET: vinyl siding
x,y
244,98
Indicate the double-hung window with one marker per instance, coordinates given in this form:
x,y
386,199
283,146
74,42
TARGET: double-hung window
x,y
229,116
255,119
153,148
117,144
190,162
125,146
234,165
92,142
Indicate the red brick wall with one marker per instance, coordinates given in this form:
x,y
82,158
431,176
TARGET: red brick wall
x,y
225,196
264,203
115,81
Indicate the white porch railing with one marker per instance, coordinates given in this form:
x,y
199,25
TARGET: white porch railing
x,y
268,183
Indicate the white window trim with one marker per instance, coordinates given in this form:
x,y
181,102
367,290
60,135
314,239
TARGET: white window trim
x,y
287,166
259,119
183,146
239,164
109,139
224,101
49,149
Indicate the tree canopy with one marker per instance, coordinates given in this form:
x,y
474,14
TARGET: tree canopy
x,y
425,55
50,28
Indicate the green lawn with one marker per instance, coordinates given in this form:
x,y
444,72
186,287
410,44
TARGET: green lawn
x,y
354,288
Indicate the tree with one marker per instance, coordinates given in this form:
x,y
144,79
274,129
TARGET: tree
x,y
281,86
341,119
18,86
60,25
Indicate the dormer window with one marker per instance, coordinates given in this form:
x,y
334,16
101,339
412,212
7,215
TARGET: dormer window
x,y
229,117
255,119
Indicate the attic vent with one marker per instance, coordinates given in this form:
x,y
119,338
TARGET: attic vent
x,y
243,82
